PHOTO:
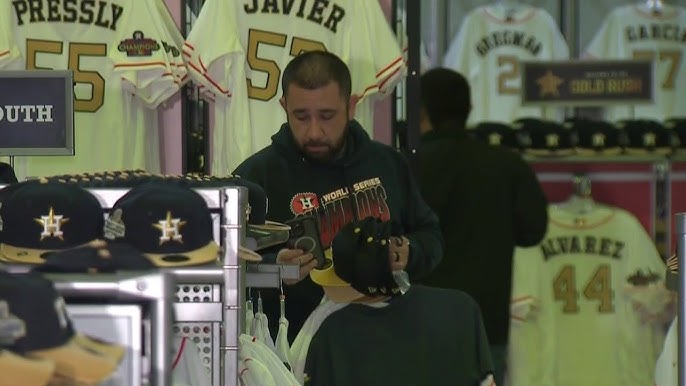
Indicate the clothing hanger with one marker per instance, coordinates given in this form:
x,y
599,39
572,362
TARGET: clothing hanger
x,y
509,7
259,302
282,301
654,6
581,201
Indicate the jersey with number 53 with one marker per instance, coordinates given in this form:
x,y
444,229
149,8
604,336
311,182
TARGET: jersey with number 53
x,y
488,49
632,32
585,330
120,72
260,37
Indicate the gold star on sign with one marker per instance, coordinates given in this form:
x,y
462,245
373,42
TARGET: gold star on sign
x,y
170,228
549,84
52,225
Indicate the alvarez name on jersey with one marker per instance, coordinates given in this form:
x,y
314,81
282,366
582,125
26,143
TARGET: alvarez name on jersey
x,y
260,37
634,32
488,49
120,73
582,328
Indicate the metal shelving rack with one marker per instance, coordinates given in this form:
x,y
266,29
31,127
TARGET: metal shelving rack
x,y
209,299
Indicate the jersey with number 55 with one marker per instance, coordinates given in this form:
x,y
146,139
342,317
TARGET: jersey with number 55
x,y
120,73
488,50
633,32
260,37
583,328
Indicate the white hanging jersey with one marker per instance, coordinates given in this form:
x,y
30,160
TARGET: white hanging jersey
x,y
120,73
260,38
667,367
301,344
585,330
173,43
488,50
632,32
283,348
187,366
254,358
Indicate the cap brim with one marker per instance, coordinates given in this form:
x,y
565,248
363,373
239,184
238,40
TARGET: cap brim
x,y
78,363
270,226
203,255
327,277
107,349
248,255
17,370
21,255
346,294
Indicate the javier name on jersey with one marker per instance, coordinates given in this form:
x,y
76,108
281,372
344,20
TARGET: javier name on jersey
x,y
322,12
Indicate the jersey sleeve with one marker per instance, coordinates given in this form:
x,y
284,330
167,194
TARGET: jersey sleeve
x,y
458,57
376,65
560,47
138,56
215,64
9,51
172,43
604,41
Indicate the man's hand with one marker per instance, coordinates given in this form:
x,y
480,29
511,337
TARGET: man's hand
x,y
306,261
398,252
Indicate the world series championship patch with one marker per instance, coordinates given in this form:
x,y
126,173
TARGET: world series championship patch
x,y
139,45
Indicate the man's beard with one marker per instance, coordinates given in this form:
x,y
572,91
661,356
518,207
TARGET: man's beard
x,y
333,152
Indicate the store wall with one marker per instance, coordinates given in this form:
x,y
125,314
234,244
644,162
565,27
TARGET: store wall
x,y
170,123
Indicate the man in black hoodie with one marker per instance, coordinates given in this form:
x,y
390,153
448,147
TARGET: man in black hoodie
x,y
323,162
487,199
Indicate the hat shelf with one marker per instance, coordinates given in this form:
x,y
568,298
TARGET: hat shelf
x,y
202,302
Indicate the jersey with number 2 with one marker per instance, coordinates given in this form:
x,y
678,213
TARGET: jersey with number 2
x,y
488,50
585,330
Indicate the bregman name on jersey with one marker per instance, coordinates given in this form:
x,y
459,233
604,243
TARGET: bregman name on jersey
x,y
508,38
100,13
322,12
26,113
575,244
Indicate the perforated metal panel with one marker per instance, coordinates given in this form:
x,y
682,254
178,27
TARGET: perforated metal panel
x,y
206,335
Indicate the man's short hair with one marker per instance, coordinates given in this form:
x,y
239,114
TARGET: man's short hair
x,y
315,69
445,96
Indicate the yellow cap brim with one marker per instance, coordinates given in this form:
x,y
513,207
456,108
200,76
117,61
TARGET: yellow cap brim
x,y
17,370
22,255
111,350
248,255
78,363
327,277
203,255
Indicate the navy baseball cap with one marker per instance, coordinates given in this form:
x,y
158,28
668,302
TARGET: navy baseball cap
x,y
98,256
544,138
595,136
169,223
359,254
496,134
678,125
647,136
48,216
49,334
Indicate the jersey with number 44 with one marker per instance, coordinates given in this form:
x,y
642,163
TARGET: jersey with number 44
x,y
488,50
583,329
120,68
259,38
632,32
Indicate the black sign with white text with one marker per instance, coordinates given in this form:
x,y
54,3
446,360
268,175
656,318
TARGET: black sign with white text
x,y
36,113
587,82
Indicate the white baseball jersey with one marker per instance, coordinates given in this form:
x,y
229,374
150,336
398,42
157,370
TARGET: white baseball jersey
x,y
667,367
632,32
187,366
254,357
173,43
488,49
585,330
259,38
120,71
